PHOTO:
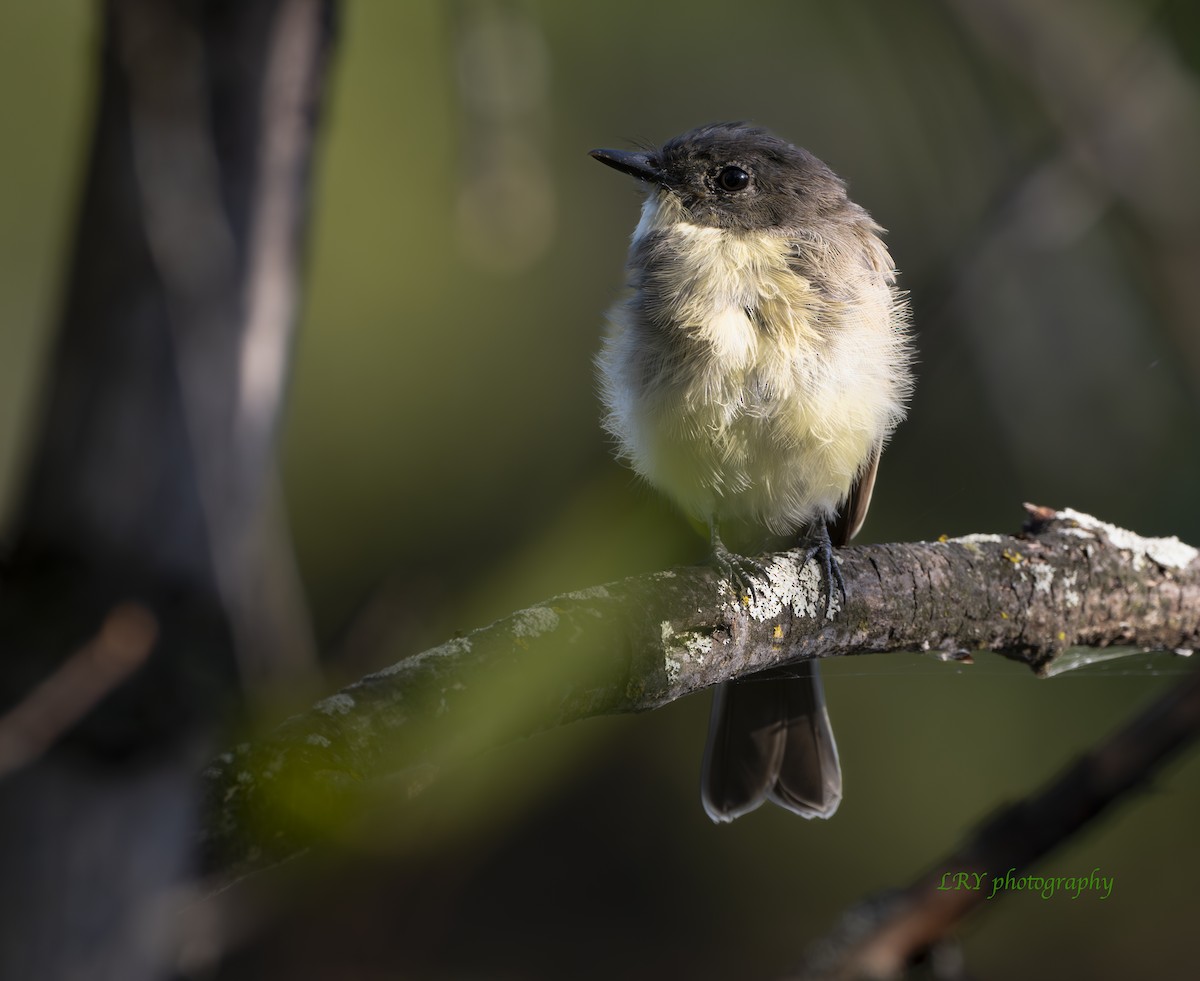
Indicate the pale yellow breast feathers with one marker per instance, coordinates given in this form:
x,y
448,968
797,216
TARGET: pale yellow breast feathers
x,y
786,394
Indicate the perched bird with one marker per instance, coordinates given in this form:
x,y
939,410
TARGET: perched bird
x,y
753,373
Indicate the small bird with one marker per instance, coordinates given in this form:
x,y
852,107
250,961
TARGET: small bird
x,y
753,372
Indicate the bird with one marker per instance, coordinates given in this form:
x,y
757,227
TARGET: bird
x,y
754,367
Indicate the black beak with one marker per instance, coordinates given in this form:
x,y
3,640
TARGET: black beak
x,y
637,165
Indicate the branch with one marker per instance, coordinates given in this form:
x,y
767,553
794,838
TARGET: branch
x,y
637,644
881,937
36,723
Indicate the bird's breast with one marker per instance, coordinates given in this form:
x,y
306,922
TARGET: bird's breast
x,y
735,385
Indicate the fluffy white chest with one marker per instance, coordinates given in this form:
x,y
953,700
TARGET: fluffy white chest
x,y
748,396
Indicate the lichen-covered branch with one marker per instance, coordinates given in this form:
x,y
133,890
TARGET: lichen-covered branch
x,y
1068,581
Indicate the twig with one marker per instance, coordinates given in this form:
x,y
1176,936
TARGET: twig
x,y
120,647
881,937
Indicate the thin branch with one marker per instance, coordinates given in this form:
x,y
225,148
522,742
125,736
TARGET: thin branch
x,y
880,938
635,645
121,646
230,304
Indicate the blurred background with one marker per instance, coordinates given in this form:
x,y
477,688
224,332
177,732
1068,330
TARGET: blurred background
x,y
1036,167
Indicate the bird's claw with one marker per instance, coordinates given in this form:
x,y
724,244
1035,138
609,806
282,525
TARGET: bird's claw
x,y
822,550
740,570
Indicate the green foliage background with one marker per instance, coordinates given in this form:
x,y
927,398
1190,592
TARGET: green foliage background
x,y
1036,165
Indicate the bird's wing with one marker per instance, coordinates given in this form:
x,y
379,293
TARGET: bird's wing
x,y
854,512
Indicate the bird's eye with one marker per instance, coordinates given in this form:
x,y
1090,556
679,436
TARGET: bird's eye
x,y
732,179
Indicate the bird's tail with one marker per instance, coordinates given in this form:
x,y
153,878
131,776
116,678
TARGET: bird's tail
x,y
770,739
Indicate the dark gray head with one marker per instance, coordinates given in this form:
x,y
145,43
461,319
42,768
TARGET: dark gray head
x,y
734,175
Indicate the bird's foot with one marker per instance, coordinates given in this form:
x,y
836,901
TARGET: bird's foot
x,y
819,547
740,570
